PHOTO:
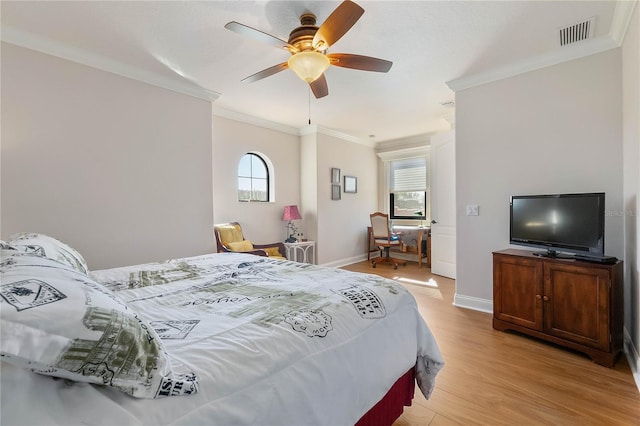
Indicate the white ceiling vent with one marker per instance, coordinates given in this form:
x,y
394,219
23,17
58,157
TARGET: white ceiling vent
x,y
577,32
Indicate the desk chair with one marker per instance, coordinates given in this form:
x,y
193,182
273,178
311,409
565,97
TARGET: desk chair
x,y
384,239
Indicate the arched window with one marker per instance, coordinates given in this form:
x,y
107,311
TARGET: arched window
x,y
253,178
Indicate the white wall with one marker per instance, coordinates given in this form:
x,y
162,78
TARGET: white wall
x,y
309,185
261,222
554,130
342,224
118,169
631,138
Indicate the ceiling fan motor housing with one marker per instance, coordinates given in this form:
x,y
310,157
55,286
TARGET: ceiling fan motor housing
x,y
302,37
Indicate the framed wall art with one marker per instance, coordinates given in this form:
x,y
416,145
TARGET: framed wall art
x,y
350,184
335,175
335,192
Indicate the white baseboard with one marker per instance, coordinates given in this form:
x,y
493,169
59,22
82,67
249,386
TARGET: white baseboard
x,y
474,303
342,262
633,358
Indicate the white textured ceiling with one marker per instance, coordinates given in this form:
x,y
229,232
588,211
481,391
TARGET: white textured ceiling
x,y
185,45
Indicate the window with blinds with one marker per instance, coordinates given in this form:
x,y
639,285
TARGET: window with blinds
x,y
409,175
408,188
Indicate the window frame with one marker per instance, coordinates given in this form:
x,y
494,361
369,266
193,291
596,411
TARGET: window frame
x,y
268,171
412,217
387,157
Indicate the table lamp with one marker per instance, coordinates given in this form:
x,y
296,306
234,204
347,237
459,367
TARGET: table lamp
x,y
291,213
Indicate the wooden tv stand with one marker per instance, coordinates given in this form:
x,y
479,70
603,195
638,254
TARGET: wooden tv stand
x,y
572,303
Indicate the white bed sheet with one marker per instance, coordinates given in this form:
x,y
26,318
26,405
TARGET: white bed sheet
x,y
272,343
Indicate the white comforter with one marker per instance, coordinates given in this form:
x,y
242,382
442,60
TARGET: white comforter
x,y
271,342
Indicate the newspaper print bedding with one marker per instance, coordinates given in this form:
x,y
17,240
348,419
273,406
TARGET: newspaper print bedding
x,y
272,342
55,320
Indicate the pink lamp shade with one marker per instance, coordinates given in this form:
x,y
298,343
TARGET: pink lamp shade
x,y
291,213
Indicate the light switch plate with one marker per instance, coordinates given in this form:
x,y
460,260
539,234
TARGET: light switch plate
x,y
473,210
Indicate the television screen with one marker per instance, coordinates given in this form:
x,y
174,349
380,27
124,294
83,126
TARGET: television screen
x,y
563,222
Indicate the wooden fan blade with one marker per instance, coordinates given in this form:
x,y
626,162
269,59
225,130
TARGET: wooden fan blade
x,y
319,87
266,72
258,35
337,24
359,62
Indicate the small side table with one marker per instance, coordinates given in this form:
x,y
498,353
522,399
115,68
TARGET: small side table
x,y
299,251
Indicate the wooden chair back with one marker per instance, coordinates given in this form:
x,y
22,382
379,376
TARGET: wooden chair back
x,y
380,226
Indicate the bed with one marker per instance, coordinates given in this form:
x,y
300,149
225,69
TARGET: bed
x,y
226,339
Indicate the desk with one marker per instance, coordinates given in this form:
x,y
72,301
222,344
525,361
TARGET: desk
x,y
302,248
421,234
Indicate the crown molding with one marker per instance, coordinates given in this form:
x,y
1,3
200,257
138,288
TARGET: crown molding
x,y
256,121
619,24
81,56
410,142
399,154
621,20
415,139
343,136
579,50
302,131
311,129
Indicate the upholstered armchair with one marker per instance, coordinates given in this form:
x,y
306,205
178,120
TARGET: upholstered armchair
x,y
229,238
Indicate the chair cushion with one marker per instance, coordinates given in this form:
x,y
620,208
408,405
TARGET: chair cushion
x,y
230,233
244,245
384,241
272,251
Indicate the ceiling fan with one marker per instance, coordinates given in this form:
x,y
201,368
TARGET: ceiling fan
x,y
308,45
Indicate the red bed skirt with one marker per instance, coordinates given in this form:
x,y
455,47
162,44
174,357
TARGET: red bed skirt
x,y
390,407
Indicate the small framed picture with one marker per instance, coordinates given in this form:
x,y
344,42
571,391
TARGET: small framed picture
x,y
335,175
335,192
350,184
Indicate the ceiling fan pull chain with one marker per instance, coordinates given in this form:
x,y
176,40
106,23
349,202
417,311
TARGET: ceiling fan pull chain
x,y
309,93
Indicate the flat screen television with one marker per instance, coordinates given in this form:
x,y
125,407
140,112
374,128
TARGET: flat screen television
x,y
572,223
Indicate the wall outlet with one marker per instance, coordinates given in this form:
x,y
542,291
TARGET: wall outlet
x,y
473,210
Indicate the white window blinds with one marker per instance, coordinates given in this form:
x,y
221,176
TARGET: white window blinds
x,y
409,175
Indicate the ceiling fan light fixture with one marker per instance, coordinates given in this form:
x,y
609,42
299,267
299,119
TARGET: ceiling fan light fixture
x,y
309,66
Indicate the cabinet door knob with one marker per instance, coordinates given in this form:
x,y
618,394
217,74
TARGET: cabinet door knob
x,y
545,298
538,297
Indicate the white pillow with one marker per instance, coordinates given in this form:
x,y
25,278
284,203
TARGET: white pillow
x,y
46,246
58,322
6,246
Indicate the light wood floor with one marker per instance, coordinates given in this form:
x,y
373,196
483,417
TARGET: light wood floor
x,y
497,378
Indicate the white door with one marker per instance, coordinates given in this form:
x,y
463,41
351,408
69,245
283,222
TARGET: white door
x,y
443,204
